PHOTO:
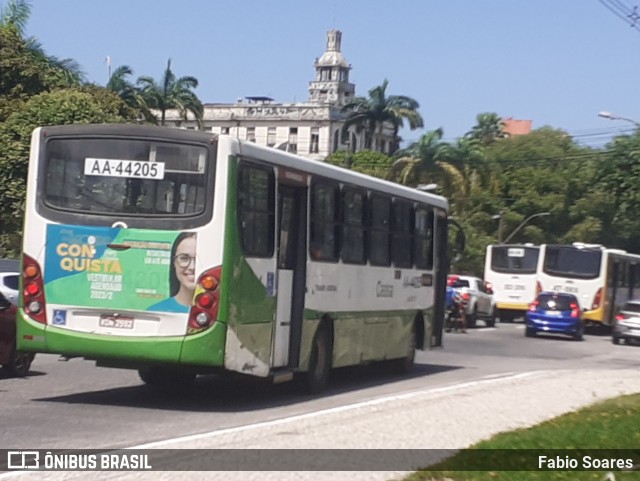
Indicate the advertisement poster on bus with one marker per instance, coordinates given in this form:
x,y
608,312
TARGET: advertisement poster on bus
x,y
120,268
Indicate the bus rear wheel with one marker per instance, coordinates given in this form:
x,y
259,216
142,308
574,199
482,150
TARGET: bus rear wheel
x,y
405,365
165,377
317,377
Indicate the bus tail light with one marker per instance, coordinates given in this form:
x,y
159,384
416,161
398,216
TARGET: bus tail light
x,y
204,311
33,290
533,306
597,300
538,288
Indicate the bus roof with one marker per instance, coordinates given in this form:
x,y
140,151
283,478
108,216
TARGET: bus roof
x,y
329,171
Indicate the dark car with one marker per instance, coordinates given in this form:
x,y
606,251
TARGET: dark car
x,y
627,325
14,362
555,313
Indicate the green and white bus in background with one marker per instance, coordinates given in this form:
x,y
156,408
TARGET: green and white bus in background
x,y
178,253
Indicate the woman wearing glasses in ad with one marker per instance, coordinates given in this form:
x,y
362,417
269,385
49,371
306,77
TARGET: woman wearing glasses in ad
x,y
182,279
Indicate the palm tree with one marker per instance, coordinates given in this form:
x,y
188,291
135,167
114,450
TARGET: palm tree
x,y
16,15
489,128
127,91
419,159
171,93
463,164
370,114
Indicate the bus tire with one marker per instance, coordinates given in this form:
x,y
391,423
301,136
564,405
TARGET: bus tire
x,y
405,364
164,377
317,377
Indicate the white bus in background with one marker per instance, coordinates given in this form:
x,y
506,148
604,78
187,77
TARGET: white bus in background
x,y
602,279
510,269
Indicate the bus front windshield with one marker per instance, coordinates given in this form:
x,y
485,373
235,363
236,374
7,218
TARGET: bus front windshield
x,y
514,259
571,262
115,176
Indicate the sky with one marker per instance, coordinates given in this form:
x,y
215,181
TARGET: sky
x,y
555,62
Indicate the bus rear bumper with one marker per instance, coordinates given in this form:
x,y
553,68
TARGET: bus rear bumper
x,y
512,306
200,348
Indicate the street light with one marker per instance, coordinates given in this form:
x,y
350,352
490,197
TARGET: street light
x,y
522,224
610,116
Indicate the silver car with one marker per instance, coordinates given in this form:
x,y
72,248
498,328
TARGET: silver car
x,y
627,325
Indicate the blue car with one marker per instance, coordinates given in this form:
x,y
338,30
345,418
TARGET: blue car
x,y
555,313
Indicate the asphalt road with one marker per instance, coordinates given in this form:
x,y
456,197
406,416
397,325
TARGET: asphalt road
x,y
66,405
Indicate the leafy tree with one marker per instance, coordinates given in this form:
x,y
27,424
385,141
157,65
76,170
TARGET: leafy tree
x,y
618,178
367,162
544,171
15,16
489,128
67,106
171,93
370,114
22,73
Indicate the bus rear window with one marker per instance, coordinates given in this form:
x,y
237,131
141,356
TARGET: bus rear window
x,y
572,262
514,259
125,177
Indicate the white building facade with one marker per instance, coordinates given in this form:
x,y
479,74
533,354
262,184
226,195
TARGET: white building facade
x,y
311,129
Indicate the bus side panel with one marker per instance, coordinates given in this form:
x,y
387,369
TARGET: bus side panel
x,y
247,293
309,327
206,348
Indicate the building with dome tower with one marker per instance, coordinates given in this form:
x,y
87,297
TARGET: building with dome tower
x,y
311,129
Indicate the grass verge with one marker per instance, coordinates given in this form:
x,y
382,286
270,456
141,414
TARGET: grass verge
x,y
608,425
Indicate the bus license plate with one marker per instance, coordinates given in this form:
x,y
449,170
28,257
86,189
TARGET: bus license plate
x,y
124,168
116,322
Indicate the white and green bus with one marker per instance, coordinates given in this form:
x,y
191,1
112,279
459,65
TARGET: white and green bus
x,y
179,253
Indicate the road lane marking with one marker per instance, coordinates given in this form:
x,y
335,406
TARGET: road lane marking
x,y
485,380
348,407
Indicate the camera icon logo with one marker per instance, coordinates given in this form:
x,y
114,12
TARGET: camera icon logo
x,y
23,460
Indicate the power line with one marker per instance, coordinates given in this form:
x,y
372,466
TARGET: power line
x,y
622,11
595,155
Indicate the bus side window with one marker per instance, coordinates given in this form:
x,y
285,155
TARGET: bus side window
x,y
323,242
379,252
402,233
353,229
423,238
256,209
